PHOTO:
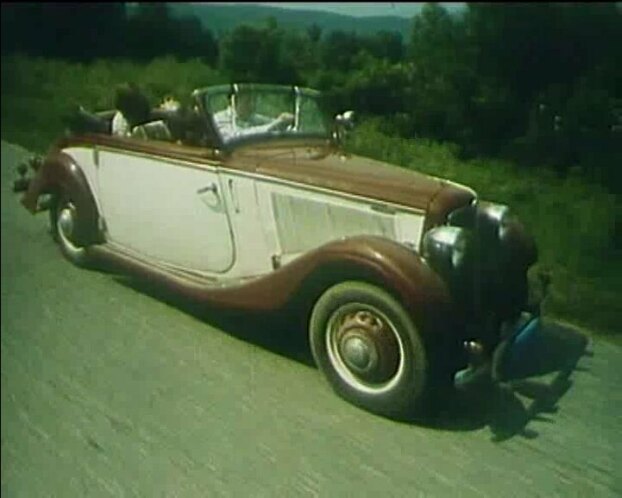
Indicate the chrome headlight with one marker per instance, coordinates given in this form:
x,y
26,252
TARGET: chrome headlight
x,y
445,247
496,219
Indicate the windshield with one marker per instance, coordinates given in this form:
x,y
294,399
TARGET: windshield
x,y
242,111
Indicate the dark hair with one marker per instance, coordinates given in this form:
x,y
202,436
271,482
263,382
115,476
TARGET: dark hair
x,y
132,103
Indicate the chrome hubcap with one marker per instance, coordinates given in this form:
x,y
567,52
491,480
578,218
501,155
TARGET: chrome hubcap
x,y
356,353
65,221
66,226
364,347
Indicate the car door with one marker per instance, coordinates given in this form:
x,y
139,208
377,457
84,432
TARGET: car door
x,y
170,211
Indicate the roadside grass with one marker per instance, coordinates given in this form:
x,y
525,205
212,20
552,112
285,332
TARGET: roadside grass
x,y
573,221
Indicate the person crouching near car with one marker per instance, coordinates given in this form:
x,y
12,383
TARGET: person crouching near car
x,y
132,107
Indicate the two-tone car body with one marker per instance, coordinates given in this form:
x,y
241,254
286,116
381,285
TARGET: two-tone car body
x,y
403,279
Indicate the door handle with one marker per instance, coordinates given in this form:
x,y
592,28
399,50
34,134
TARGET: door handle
x,y
209,188
211,201
234,199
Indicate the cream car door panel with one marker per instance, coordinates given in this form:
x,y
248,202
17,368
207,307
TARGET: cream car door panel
x,y
174,213
252,251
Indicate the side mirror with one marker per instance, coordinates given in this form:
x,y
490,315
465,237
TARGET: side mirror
x,y
344,122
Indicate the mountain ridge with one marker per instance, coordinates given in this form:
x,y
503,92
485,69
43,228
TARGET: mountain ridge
x,y
222,18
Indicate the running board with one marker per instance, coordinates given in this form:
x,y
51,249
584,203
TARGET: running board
x,y
202,289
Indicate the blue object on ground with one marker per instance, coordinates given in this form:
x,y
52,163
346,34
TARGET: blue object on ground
x,y
521,347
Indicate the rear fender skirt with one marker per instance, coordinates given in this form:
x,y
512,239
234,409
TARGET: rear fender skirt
x,y
60,173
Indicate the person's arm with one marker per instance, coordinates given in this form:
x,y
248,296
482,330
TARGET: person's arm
x,y
284,119
282,122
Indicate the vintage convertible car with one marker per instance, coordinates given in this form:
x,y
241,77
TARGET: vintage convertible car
x,y
407,282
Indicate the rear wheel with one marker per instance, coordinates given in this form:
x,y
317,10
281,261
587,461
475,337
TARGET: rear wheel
x,y
63,216
370,350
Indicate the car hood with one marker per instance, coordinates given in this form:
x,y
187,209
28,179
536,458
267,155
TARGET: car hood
x,y
358,175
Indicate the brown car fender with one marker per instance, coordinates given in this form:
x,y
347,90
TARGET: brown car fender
x,y
376,260
59,173
298,284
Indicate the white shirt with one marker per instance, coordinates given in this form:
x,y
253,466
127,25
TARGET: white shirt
x,y
120,126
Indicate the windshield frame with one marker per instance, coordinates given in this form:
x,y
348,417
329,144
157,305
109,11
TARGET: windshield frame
x,y
203,97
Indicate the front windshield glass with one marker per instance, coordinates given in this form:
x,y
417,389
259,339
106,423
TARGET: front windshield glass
x,y
242,111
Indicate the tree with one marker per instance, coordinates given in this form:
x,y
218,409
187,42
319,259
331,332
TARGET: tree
x,y
379,88
337,50
443,81
388,45
314,32
251,53
64,30
151,29
299,52
188,39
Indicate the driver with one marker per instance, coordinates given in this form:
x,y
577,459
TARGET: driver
x,y
240,119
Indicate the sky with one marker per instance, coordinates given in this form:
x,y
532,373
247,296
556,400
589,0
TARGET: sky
x,y
357,9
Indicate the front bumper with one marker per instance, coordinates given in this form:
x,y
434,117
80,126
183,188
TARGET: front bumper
x,y
504,360
518,338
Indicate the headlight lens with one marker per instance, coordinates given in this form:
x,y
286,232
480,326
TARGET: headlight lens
x,y
445,246
496,218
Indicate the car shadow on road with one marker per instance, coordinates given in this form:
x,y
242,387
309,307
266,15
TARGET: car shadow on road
x,y
281,333
530,393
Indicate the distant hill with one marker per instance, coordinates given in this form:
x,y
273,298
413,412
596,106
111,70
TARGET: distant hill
x,y
222,18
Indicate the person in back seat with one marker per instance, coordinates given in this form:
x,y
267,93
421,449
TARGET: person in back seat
x,y
184,122
133,110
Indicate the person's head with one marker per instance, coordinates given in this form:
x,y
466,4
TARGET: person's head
x,y
132,103
170,103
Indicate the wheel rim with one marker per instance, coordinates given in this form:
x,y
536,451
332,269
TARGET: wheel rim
x,y
364,348
66,226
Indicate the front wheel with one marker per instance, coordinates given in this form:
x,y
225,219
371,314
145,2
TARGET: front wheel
x,y
370,350
63,216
